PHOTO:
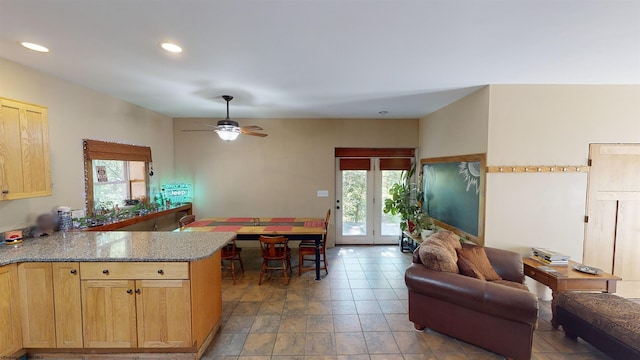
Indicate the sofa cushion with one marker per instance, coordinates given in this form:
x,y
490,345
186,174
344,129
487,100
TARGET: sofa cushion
x,y
478,257
438,252
467,268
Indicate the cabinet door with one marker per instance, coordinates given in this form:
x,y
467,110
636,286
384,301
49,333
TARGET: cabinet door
x,y
164,313
10,327
109,313
36,302
68,307
24,151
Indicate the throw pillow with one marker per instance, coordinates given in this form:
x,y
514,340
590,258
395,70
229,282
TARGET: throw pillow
x,y
468,269
435,256
447,239
478,257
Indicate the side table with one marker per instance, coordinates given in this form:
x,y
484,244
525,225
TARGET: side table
x,y
568,279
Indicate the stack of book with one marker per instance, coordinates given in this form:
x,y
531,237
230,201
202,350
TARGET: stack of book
x,y
549,257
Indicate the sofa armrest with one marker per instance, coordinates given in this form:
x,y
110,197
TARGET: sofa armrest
x,y
478,295
508,264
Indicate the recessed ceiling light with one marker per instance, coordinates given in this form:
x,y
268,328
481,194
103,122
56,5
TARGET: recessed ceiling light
x,y
383,112
171,47
34,47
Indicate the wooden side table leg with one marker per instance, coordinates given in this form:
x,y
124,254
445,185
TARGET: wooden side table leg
x,y
554,321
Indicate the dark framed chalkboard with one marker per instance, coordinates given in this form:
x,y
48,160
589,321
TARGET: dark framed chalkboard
x,y
453,191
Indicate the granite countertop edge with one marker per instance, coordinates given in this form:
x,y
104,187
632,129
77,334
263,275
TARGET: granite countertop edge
x,y
97,247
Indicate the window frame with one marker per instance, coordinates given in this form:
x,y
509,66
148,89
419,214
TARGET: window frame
x,y
102,150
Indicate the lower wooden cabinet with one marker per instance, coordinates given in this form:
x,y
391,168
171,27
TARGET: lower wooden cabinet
x,y
164,313
109,313
36,302
67,304
10,325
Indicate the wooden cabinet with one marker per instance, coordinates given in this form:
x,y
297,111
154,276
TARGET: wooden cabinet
x,y
126,305
10,326
67,304
36,303
25,169
109,313
164,313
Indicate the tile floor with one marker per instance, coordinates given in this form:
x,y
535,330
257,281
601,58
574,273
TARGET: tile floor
x,y
358,311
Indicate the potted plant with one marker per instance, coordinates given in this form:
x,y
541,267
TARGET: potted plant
x,y
402,201
424,225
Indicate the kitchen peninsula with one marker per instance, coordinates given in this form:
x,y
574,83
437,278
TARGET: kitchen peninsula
x,y
111,292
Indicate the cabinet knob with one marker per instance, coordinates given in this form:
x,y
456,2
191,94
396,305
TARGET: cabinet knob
x,y
5,192
105,271
74,271
138,291
129,291
161,272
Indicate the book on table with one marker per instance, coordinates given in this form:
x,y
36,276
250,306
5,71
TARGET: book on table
x,y
549,257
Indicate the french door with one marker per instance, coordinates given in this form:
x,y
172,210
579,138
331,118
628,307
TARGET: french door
x,y
360,194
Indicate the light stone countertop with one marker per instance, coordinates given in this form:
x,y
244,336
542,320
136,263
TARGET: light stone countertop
x,y
122,246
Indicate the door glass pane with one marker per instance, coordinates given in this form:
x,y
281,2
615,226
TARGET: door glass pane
x,y
390,225
354,202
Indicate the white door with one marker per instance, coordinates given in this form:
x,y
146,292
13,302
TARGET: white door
x,y
360,198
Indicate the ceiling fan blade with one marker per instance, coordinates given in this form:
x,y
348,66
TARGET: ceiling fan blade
x,y
251,127
246,132
209,125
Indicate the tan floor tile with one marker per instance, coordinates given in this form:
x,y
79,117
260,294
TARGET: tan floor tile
x,y
385,294
319,307
265,324
320,344
399,322
428,356
246,308
293,323
387,357
440,343
353,357
320,294
344,307
255,357
373,322
346,323
295,308
411,342
341,294
359,284
259,344
290,344
350,343
237,324
368,307
452,356
319,323
320,357
228,344
271,308
381,343
392,307
298,295
363,294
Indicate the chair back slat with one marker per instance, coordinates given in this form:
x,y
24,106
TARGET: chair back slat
x,y
274,247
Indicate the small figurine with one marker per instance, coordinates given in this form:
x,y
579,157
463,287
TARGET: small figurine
x,y
45,225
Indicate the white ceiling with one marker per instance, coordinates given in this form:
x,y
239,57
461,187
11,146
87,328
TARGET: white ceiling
x,y
321,58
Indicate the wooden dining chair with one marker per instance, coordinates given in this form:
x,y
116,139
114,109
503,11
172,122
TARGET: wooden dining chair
x,y
308,248
274,248
231,253
185,220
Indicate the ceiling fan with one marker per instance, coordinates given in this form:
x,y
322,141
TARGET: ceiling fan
x,y
228,129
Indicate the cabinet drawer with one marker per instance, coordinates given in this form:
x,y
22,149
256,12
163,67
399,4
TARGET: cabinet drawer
x,y
134,270
537,275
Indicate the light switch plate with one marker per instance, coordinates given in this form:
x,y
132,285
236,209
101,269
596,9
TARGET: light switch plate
x,y
323,193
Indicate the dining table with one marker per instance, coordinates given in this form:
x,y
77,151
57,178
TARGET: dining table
x,y
251,228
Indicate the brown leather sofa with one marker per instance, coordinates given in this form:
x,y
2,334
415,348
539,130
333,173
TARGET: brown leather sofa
x,y
489,315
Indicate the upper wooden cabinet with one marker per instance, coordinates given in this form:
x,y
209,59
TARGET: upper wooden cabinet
x,y
25,169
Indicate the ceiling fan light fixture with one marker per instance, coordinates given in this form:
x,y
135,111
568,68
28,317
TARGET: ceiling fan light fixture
x,y
228,132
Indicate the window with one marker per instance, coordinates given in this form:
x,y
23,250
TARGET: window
x,y
114,181
114,172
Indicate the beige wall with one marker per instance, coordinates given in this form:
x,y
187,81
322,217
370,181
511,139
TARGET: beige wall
x,y
549,125
75,113
457,129
537,125
278,175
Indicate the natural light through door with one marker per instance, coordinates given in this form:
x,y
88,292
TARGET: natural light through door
x,y
361,189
